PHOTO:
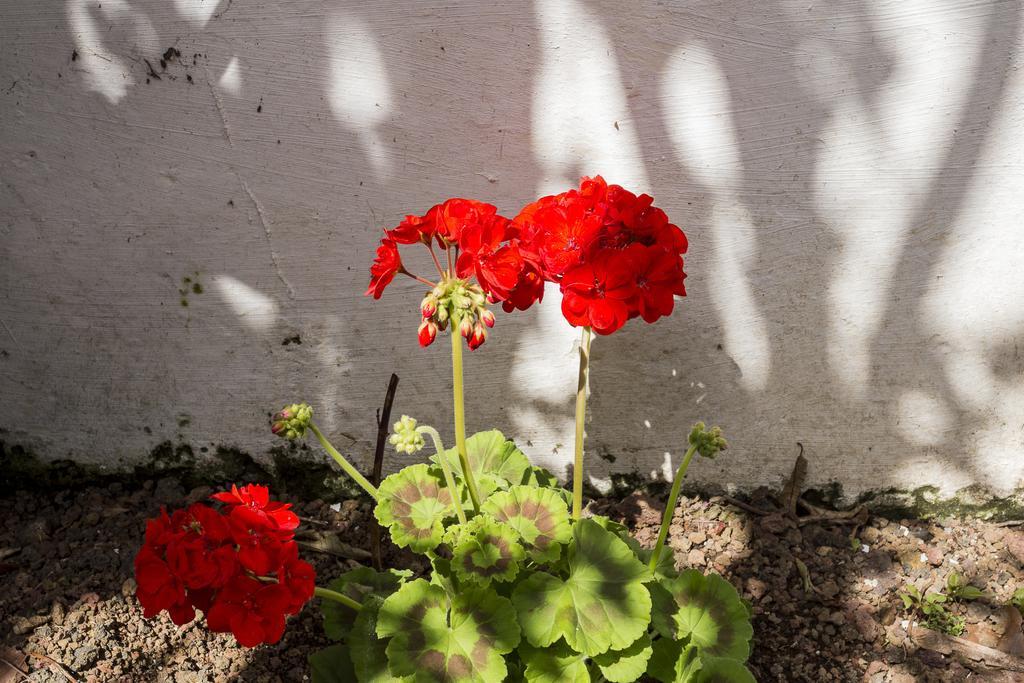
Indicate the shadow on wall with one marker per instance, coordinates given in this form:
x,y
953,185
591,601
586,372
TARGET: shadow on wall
x,y
208,180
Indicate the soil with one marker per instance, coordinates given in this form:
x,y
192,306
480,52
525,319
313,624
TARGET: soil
x,y
69,613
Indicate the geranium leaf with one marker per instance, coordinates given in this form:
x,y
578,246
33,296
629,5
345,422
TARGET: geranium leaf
x,y
487,549
603,604
331,665
367,650
442,638
665,653
627,665
719,670
357,584
673,663
495,461
539,515
555,664
412,503
709,611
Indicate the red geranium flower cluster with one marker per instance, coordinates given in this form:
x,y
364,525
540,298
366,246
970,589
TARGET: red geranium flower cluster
x,y
613,254
239,565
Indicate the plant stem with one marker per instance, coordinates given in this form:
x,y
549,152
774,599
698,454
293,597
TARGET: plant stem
x,y
460,415
328,594
345,464
670,506
449,478
581,414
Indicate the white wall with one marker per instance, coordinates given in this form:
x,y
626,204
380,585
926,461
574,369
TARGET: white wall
x,y
850,175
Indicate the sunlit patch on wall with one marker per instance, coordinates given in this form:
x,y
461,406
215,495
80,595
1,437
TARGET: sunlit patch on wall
x,y
578,99
198,12
254,308
701,130
231,79
923,419
102,32
359,91
893,109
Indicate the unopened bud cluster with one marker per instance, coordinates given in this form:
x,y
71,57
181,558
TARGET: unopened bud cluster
x,y
405,438
460,304
293,421
707,441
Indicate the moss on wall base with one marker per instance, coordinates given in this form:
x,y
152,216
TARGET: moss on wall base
x,y
293,470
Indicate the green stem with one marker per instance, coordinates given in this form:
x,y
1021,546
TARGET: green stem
x,y
449,478
581,414
345,464
328,594
460,414
670,506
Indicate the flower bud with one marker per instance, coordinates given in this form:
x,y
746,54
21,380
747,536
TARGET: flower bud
x,y
487,318
405,438
427,333
466,326
291,422
709,442
478,337
428,307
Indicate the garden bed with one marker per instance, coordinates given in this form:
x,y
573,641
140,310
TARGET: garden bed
x,y
69,613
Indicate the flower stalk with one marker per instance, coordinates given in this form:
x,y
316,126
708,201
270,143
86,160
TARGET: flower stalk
x,y
670,506
449,478
581,415
460,420
335,596
350,470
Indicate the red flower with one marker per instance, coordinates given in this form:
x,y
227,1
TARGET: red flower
x,y
415,229
529,289
258,551
298,578
596,294
159,589
253,504
658,278
567,231
251,610
486,254
384,267
452,217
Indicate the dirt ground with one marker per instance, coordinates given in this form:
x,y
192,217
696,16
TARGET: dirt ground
x,y
824,592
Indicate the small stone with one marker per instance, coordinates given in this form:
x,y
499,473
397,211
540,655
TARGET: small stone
x,y
91,518
26,624
57,613
695,558
129,587
870,535
698,537
934,555
756,588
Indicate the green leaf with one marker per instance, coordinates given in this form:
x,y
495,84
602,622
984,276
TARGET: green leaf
x,y
331,665
539,515
495,461
672,663
412,503
454,639
602,605
487,549
625,666
555,664
709,611
357,584
719,670
367,650
665,653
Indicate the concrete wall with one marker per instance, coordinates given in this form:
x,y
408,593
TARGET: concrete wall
x,y
850,175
